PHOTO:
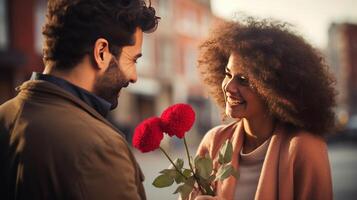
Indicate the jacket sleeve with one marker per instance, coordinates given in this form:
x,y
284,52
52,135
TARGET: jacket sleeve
x,y
312,176
109,172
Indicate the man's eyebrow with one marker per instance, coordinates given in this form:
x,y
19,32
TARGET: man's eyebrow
x,y
227,69
138,55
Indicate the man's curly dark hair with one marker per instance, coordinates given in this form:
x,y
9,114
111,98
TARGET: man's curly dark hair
x,y
73,26
285,71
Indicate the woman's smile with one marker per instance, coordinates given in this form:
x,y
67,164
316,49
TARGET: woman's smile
x,y
234,101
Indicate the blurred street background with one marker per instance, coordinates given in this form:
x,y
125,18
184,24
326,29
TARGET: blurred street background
x,y
167,71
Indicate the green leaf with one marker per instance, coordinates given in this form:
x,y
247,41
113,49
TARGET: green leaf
x,y
220,158
173,173
178,162
185,189
163,181
224,172
211,178
179,178
206,184
204,166
225,153
196,158
235,173
187,172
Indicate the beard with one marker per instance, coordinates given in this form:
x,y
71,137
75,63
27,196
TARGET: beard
x,y
108,85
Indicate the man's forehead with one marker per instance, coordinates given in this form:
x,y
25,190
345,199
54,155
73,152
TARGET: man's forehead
x,y
138,36
138,39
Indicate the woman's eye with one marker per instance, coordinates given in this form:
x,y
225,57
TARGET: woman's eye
x,y
243,80
228,75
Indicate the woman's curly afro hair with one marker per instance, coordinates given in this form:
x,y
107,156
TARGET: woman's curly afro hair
x,y
286,72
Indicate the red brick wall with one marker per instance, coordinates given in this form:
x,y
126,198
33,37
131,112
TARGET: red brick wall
x,y
22,33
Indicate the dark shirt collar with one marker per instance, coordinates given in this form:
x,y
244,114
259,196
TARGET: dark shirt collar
x,y
99,104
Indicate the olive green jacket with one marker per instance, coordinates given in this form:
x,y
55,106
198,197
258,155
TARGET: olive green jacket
x,y
55,146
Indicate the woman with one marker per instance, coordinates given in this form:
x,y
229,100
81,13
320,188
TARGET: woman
x,y
277,89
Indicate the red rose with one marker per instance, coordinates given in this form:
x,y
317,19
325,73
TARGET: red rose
x,y
148,135
177,119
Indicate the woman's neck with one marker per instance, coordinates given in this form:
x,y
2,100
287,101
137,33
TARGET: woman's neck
x,y
257,131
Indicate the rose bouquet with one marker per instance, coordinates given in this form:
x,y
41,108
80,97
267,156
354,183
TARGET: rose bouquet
x,y
200,175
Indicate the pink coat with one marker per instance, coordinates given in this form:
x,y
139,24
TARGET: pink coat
x,y
296,165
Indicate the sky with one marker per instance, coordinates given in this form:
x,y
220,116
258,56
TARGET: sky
x,y
311,18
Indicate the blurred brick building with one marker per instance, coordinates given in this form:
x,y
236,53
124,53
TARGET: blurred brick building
x,y
342,54
18,54
167,71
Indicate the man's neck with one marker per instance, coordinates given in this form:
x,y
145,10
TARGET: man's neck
x,y
81,75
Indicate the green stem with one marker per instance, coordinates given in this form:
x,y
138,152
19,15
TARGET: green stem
x,y
193,172
172,162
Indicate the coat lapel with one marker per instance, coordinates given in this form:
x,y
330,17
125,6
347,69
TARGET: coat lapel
x,y
268,184
226,188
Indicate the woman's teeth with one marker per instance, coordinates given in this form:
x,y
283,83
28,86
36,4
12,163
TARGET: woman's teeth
x,y
232,101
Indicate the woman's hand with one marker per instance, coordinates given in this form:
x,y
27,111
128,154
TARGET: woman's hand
x,y
207,197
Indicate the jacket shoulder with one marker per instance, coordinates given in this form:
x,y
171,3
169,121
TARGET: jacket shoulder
x,y
304,140
9,109
307,149
215,136
310,166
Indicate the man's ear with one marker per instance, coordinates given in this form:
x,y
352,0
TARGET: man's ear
x,y
101,53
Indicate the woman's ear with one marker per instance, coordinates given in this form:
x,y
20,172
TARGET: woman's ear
x,y
101,54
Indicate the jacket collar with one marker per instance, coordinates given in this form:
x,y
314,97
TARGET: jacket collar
x,y
40,87
99,104
268,182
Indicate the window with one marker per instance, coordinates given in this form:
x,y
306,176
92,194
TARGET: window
x,y
190,57
3,25
40,16
205,24
166,61
146,63
188,23
164,8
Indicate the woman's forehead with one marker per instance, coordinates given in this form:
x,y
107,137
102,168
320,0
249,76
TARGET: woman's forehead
x,y
234,63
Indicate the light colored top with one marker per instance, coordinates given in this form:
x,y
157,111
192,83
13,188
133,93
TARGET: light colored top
x,y
249,169
296,165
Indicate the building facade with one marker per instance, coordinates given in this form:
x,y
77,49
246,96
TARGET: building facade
x,y
167,71
342,51
18,54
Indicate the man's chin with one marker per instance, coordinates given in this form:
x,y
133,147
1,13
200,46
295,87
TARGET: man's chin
x,y
114,100
114,104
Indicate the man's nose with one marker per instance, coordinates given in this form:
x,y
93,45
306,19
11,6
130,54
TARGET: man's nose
x,y
134,76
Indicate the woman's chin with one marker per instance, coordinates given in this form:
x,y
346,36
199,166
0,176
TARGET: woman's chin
x,y
235,117
233,114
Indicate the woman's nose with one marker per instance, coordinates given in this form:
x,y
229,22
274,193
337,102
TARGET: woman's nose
x,y
231,86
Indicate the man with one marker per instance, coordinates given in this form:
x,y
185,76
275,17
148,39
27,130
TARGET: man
x,y
55,142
